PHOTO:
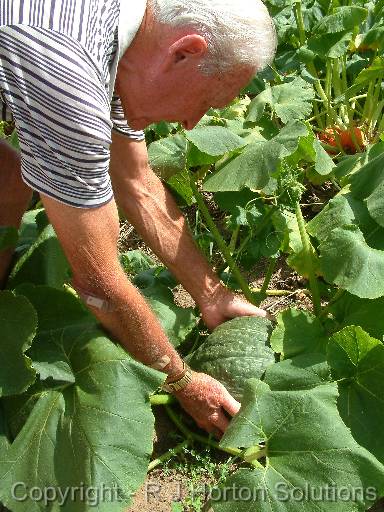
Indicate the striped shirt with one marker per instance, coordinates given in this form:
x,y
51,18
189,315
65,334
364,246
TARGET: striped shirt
x,y
58,63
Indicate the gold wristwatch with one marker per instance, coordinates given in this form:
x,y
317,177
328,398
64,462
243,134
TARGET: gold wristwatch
x,y
179,381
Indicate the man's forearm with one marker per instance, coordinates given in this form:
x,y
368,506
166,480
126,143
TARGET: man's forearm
x,y
131,321
150,207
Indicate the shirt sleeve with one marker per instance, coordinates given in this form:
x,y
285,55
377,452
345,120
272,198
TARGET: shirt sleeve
x,y
120,124
62,114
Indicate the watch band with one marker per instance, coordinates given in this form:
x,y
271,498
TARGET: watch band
x,y
180,382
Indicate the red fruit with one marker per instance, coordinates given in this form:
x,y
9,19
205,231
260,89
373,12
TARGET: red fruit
x,y
330,135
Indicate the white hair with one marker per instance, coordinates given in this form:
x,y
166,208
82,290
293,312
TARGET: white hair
x,y
238,32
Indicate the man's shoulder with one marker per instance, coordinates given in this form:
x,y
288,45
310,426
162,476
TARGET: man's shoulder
x,y
88,21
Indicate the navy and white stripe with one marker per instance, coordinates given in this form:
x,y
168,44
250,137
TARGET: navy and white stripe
x,y
57,60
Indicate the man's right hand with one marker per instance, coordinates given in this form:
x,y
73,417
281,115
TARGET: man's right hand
x,y
207,401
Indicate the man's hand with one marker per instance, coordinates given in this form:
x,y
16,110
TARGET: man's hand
x,y
206,400
224,305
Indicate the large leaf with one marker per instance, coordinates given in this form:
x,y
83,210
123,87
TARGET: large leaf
x,y
168,156
330,46
344,18
291,101
177,322
236,351
61,318
348,261
309,451
357,363
298,332
368,184
305,371
257,162
8,237
44,263
94,433
18,322
4,440
367,313
214,140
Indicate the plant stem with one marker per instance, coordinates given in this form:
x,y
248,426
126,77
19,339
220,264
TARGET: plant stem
x,y
334,299
233,242
308,256
280,293
168,455
221,243
162,399
268,275
300,22
197,437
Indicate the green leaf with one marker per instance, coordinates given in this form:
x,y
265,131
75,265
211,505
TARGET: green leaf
x,y
298,332
177,322
18,321
257,162
330,46
4,441
349,262
61,318
307,447
136,261
30,228
290,101
344,18
8,237
44,263
236,351
94,432
214,140
357,362
168,156
305,371
368,184
367,313
180,186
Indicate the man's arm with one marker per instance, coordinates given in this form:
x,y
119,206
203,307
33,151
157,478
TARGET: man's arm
x,y
150,207
89,240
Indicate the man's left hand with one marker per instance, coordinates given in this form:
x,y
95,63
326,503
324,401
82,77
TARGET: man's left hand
x,y
224,305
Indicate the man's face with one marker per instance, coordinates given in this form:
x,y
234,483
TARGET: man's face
x,y
183,98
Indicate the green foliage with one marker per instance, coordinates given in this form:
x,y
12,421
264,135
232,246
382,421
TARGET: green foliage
x,y
279,425
357,362
58,445
75,407
18,322
8,237
290,101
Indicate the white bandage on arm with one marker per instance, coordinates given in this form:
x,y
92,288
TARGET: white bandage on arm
x,y
161,363
95,302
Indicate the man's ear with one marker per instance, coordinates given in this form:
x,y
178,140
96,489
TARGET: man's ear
x,y
190,48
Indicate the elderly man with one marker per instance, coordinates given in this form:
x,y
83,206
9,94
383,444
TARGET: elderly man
x,y
71,74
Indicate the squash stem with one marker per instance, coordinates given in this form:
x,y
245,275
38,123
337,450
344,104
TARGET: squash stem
x,y
197,437
162,399
220,242
308,256
269,274
168,455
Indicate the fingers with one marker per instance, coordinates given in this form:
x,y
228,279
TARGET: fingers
x,y
220,421
231,405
